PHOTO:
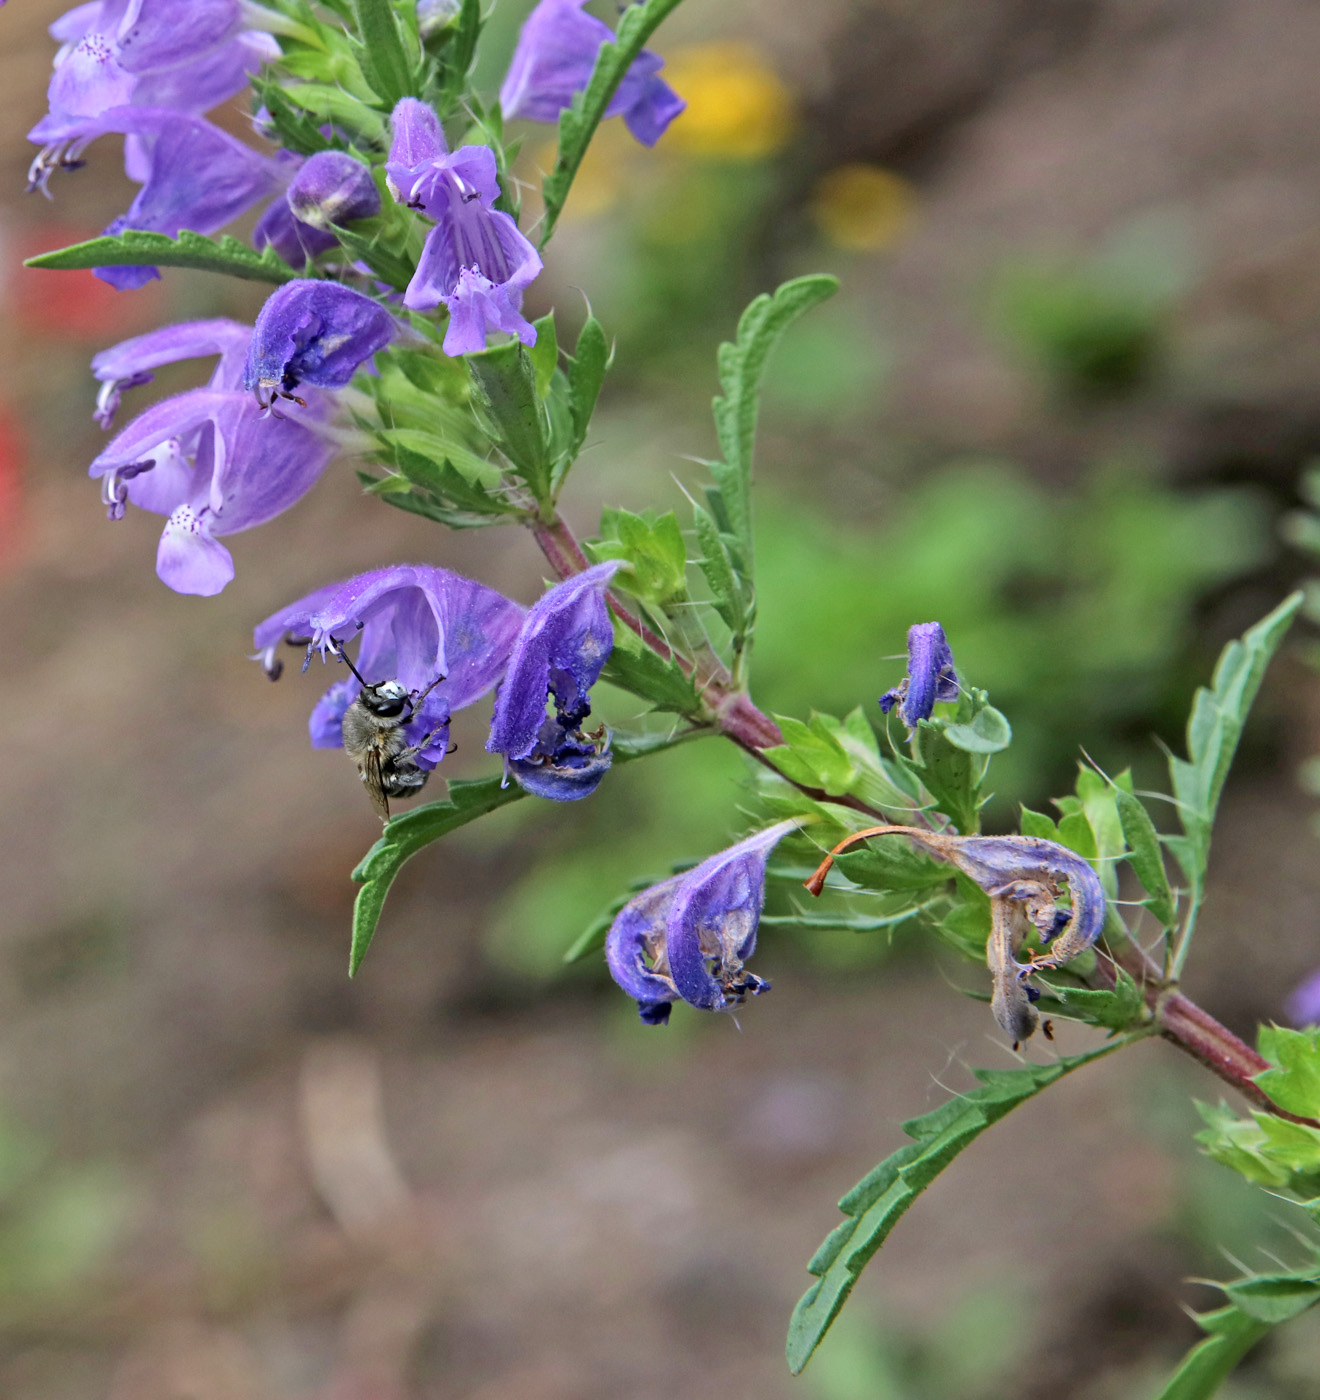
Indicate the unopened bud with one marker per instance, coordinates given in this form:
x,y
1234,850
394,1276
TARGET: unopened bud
x,y
333,188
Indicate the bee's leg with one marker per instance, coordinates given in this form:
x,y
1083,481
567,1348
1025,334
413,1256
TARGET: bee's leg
x,y
411,752
415,700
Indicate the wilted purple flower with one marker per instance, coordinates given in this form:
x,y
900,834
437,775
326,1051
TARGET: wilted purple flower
x,y
416,622
214,464
688,937
1022,876
330,187
195,176
474,260
930,676
553,62
313,332
129,364
565,641
1303,1004
188,55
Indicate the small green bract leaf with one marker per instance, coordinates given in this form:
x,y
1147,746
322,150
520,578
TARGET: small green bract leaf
x,y
1146,856
989,732
1294,1081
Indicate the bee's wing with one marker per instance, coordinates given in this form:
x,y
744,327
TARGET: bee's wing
x,y
374,780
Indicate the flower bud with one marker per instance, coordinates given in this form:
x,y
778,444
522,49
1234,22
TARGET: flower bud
x,y
333,188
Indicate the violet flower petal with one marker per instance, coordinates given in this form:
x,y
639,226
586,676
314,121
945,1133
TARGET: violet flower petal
x,y
638,933
131,361
416,621
553,62
564,642
713,916
931,676
312,332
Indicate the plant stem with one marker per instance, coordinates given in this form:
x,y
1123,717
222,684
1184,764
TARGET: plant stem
x,y
734,714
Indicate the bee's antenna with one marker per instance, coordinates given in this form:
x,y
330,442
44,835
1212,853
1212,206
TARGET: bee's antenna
x,y
338,648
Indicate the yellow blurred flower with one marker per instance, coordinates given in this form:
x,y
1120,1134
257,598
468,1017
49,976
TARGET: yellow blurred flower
x,y
737,107
863,208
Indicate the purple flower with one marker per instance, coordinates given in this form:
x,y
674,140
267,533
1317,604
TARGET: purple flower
x,y
930,676
553,62
1303,1004
416,622
214,464
313,332
688,937
331,187
188,55
565,641
474,260
195,177
129,364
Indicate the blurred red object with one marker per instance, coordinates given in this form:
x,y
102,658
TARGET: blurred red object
x,y
74,306
11,486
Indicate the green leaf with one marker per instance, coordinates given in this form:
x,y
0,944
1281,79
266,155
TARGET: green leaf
x,y
544,354
578,121
989,732
1038,824
382,57
1145,856
811,754
1293,1081
333,105
892,863
506,379
727,593
741,366
876,1204
138,248
1117,1010
654,550
1210,1362
586,374
407,834
460,49
662,684
1213,730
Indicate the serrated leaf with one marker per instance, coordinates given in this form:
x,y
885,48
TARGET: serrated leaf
x,y
139,248
1115,1010
1213,731
876,1204
407,834
662,684
742,364
579,120
653,548
718,568
544,354
812,755
1146,856
507,381
1293,1080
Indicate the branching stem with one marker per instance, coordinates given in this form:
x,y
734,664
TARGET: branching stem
x,y
733,713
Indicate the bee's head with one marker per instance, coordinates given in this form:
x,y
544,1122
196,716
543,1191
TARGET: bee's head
x,y
385,699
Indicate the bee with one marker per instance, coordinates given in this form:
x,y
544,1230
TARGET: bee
x,y
375,741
